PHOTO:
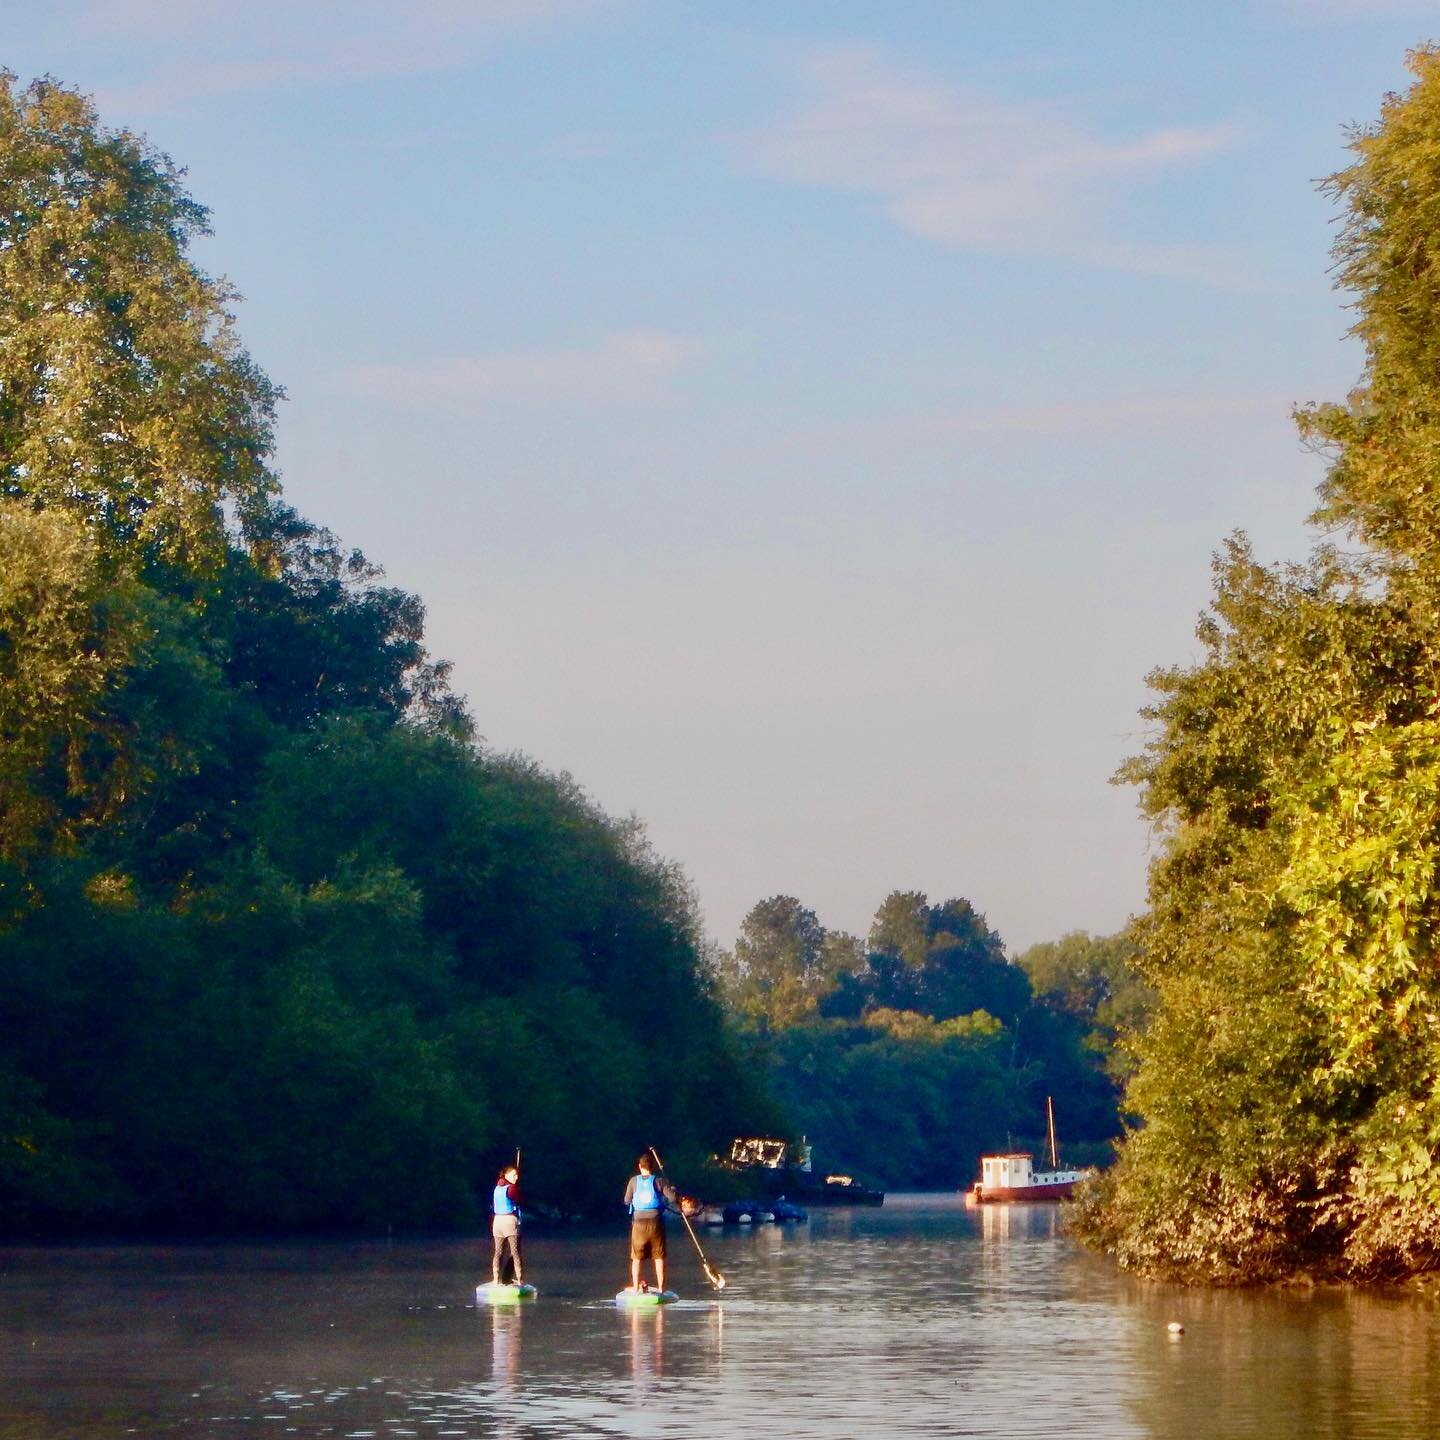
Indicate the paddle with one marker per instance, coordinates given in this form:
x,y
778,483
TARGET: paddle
x,y
711,1274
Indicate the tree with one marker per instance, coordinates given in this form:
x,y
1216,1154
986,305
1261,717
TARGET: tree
x,y
1289,1082
909,1060
246,832
899,1098
64,638
1093,980
125,397
941,959
777,970
902,928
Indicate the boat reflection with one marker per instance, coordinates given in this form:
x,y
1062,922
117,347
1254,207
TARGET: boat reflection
x,y
1019,1221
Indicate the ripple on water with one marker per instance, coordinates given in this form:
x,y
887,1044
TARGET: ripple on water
x,y
919,1319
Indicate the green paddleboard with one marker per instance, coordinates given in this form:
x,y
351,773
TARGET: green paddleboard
x,y
637,1298
493,1294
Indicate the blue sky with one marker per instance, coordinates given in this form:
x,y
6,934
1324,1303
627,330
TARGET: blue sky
x,y
807,422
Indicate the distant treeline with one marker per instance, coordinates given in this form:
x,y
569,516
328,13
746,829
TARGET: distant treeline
x,y
906,1056
281,945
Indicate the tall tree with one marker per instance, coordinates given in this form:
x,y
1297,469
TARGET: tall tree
x,y
942,960
1290,1081
902,928
776,973
125,396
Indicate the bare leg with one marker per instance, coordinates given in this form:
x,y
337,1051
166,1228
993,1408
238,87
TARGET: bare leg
x,y
515,1251
634,1274
659,1273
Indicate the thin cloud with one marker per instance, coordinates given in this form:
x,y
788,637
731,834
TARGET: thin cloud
x,y
207,47
1119,415
628,367
963,169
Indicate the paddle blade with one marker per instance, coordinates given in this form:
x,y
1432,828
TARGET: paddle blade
x,y
716,1278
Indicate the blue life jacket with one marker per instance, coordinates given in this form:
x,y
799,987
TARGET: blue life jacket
x,y
503,1204
647,1199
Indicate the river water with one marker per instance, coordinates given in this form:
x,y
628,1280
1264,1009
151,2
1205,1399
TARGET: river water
x,y
918,1319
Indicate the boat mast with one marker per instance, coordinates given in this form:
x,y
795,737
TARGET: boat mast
x,y
1050,1121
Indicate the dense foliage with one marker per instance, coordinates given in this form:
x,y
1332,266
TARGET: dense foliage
x,y
281,946
1290,1084
906,1057
1093,981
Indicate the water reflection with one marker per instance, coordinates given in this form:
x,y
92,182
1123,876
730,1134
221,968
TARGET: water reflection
x,y
919,1319
1008,1222
1323,1363
647,1347
506,1326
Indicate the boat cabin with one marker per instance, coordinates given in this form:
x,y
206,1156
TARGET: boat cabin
x,y
1006,1172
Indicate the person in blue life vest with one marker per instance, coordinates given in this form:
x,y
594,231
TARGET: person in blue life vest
x,y
505,1227
646,1197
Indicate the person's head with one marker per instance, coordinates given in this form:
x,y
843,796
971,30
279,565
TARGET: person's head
x,y
643,1164
509,1174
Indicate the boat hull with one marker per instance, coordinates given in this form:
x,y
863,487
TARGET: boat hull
x,y
1013,1195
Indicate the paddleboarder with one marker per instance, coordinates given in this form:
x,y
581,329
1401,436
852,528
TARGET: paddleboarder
x,y
646,1198
505,1227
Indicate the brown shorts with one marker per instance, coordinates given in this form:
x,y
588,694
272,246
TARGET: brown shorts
x,y
647,1237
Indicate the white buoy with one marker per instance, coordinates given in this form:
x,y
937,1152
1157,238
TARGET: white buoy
x,y
1175,1328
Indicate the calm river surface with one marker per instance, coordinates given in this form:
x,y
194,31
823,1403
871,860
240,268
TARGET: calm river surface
x,y
919,1319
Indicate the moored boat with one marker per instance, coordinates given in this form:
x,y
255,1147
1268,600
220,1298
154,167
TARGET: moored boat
x,y
1012,1177
781,1172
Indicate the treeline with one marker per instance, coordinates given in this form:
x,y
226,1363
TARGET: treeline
x,y
1289,1086
905,1057
281,945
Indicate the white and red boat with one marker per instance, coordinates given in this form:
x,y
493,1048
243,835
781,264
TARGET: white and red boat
x,y
1006,1179
1012,1177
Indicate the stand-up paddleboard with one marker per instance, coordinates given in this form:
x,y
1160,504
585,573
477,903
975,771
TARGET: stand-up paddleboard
x,y
646,1297
493,1294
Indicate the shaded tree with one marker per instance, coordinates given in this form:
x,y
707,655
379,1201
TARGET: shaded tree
x,y
282,946
941,959
1093,979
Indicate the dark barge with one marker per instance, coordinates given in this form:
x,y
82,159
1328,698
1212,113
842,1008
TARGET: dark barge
x,y
778,1170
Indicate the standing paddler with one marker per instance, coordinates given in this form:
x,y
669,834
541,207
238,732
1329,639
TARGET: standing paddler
x,y
505,1227
646,1198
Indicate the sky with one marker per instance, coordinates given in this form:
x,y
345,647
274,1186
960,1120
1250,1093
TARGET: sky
x,y
807,423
